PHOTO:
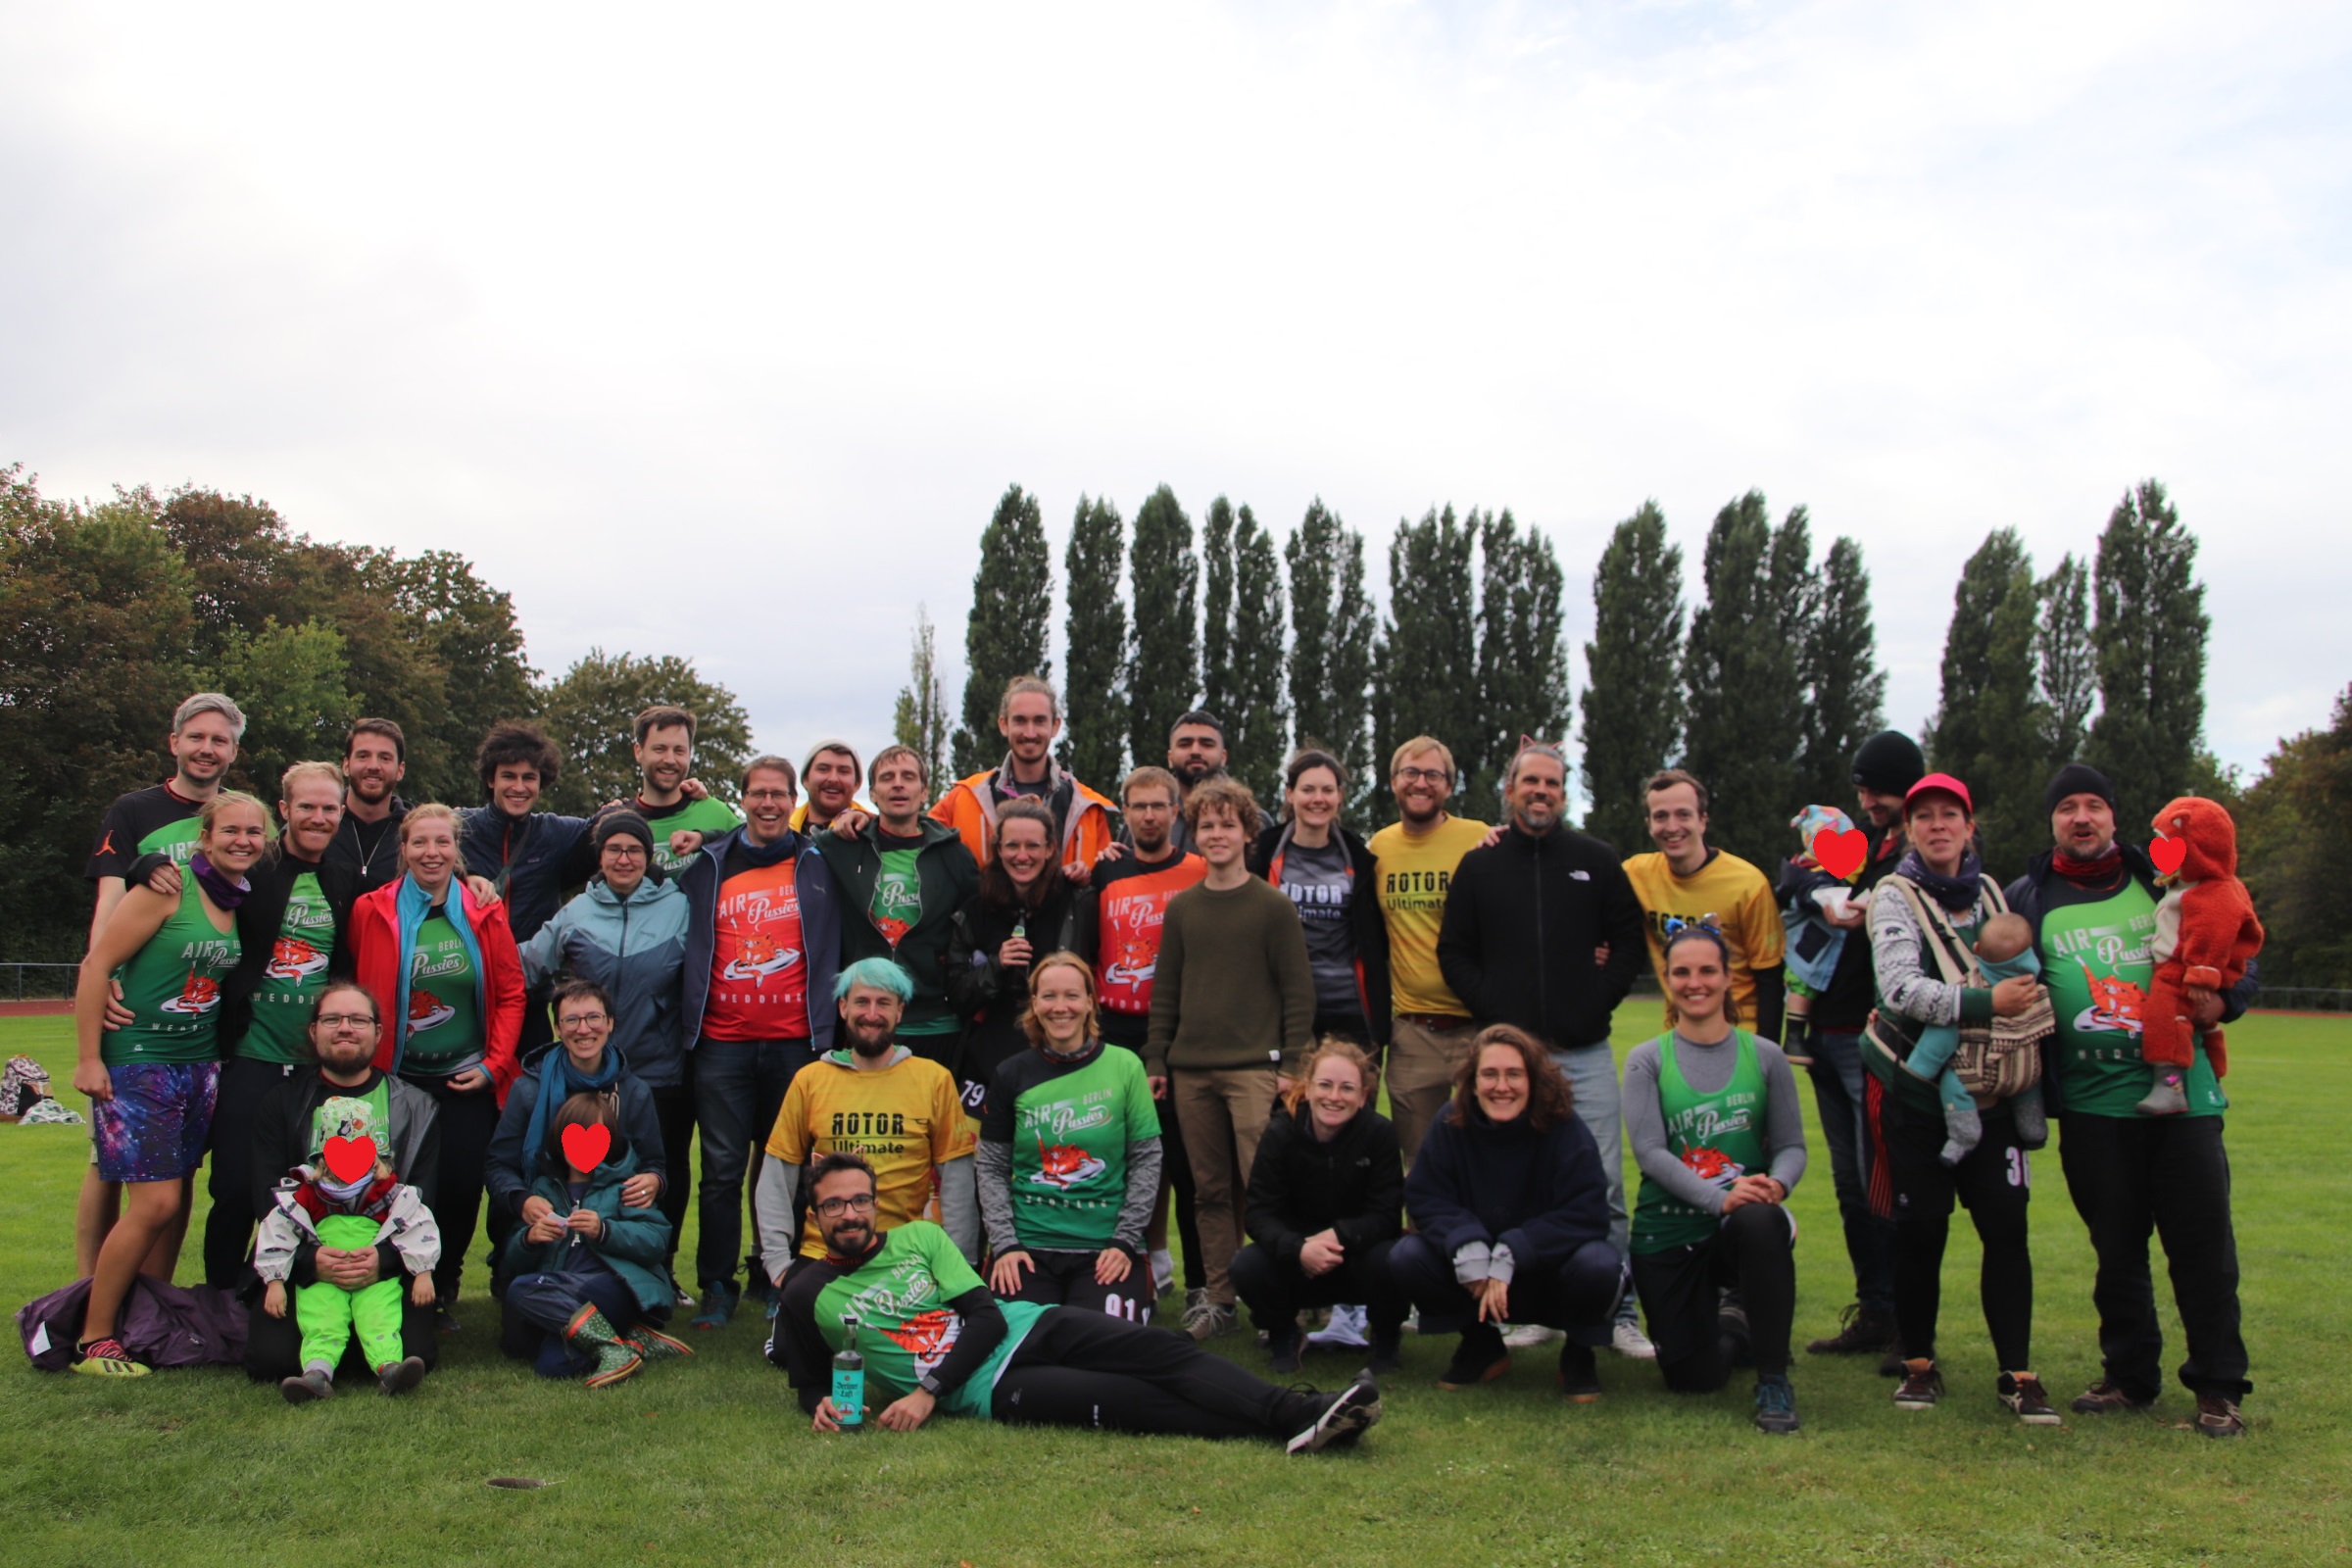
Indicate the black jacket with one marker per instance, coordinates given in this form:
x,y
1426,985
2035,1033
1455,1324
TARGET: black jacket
x,y
1540,1194
281,1141
367,871
1523,918
1367,923
947,875
989,997
1299,1186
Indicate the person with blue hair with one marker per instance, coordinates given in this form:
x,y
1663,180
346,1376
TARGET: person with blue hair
x,y
875,1098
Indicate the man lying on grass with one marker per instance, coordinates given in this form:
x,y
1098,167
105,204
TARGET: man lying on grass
x,y
932,1334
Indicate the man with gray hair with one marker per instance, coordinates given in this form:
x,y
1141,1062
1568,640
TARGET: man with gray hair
x,y
1523,919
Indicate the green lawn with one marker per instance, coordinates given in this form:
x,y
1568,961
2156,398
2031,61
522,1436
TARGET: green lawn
x,y
707,1462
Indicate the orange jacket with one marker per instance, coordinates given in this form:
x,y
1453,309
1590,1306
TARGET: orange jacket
x,y
970,808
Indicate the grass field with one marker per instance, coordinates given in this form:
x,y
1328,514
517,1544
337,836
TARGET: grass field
x,y
706,1462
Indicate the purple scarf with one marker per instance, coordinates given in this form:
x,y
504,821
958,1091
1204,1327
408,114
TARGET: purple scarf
x,y
224,893
1956,894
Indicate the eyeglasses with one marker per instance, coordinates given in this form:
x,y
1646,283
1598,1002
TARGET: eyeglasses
x,y
581,1021
352,1021
625,849
835,1207
1423,776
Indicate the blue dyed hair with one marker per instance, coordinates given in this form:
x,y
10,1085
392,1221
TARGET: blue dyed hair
x,y
881,973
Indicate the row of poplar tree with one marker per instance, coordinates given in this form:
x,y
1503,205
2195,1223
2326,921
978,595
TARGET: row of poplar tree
x,y
1763,687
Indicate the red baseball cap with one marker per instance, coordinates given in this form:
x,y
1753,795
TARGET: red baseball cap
x,y
1941,781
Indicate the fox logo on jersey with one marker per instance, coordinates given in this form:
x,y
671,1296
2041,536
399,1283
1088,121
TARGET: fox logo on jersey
x,y
1712,1164
2114,1005
291,959
760,957
927,1337
427,1012
1134,966
1065,1166
197,998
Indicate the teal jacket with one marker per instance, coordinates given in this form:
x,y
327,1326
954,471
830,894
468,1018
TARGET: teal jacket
x,y
637,952
635,1244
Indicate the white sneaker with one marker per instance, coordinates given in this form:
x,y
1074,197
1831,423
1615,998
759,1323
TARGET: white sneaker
x,y
1522,1336
1628,1341
1163,1272
1346,1331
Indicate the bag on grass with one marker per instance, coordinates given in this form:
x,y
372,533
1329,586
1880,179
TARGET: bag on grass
x,y
162,1325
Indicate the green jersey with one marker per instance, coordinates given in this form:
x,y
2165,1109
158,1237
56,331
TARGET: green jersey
x,y
2097,962
1069,1125
445,1005
172,988
1719,1136
709,817
154,821
900,1299
335,1117
295,975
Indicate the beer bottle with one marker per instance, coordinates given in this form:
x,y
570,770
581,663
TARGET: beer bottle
x,y
849,1380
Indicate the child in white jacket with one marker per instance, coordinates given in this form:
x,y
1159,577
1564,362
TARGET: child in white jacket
x,y
314,1204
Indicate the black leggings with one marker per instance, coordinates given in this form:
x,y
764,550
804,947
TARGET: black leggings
x,y
1084,1370
1067,1279
1274,1291
673,1112
1753,1249
1994,1182
229,1228
467,1121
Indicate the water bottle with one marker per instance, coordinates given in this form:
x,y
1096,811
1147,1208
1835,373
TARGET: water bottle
x,y
849,1380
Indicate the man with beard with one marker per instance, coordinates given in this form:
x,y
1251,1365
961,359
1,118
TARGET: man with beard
x,y
342,1034
933,1336
830,774
529,856
1029,716
1196,752
366,846
763,923
875,1099
664,749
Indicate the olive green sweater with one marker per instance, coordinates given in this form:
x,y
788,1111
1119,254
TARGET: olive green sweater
x,y
1233,988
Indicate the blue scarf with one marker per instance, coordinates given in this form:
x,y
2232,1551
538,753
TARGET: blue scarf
x,y
558,1081
1958,893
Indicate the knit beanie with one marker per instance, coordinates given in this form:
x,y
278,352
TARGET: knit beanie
x,y
2077,778
621,819
1889,763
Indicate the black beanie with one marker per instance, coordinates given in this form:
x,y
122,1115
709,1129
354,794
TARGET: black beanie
x,y
1889,763
2077,778
620,820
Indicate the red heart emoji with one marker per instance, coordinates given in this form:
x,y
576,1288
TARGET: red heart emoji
x,y
2168,853
1840,854
350,1158
586,1146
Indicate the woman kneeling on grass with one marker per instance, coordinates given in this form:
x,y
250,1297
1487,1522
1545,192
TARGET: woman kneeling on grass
x,y
152,1082
1713,1114
1511,1218
584,1277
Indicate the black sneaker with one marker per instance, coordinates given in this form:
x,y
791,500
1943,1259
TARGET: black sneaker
x,y
1921,1388
1776,1405
445,1320
1580,1373
1478,1359
2021,1392
1283,1353
2105,1398
1344,1414
1859,1333
2218,1417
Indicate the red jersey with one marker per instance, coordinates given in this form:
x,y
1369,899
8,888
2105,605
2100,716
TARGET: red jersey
x,y
1129,910
758,969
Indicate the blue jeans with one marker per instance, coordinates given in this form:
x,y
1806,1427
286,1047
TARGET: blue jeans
x,y
738,1087
540,1307
1837,1074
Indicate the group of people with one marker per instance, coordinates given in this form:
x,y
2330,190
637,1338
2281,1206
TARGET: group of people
x,y
966,1061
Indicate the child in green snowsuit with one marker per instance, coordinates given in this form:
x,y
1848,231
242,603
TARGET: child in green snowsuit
x,y
314,1205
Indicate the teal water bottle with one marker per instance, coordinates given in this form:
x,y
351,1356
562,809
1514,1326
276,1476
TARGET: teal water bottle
x,y
849,1380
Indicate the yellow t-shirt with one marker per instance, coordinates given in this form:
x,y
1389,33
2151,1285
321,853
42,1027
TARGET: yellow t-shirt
x,y
1728,894
907,1119
1414,874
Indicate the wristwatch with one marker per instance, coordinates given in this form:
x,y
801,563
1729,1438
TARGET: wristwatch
x,y
929,1383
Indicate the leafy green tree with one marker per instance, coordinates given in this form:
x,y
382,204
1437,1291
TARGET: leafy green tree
x,y
1163,667
920,719
1522,653
1094,695
1332,640
2065,660
293,685
1633,698
1257,715
1219,560
1013,597
1988,729
1427,674
590,713
469,631
2150,642
2295,855
1739,672
1839,668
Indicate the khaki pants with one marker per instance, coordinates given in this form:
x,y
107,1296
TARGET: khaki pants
x,y
1223,1113
1422,1062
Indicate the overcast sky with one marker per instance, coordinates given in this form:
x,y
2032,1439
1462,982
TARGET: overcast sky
x,y
719,332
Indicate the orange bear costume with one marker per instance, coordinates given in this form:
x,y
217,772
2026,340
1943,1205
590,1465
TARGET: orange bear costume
x,y
2205,932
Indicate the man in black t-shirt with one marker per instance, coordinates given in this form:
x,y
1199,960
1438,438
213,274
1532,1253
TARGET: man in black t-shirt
x,y
366,849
